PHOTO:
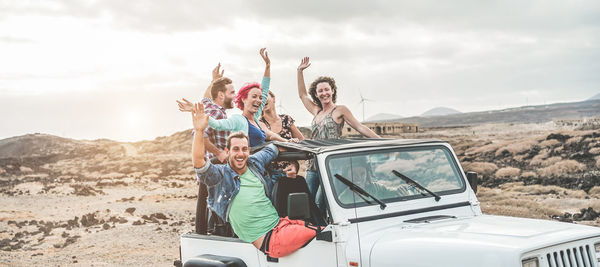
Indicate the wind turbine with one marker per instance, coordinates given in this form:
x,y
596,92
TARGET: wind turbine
x,y
363,101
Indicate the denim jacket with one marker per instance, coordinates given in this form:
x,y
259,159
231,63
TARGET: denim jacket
x,y
223,183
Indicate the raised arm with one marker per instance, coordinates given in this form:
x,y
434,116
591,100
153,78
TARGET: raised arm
x,y
233,124
265,56
265,84
200,121
185,105
304,97
215,75
354,123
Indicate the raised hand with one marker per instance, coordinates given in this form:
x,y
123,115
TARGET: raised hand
x,y
265,55
290,171
199,119
185,105
215,72
305,63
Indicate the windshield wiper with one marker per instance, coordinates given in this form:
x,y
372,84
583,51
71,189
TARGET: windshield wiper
x,y
416,185
360,191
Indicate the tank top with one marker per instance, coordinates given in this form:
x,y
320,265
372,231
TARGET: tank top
x,y
256,135
327,128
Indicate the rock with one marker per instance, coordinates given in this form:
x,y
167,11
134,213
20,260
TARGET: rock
x,y
159,216
89,220
557,136
563,218
74,222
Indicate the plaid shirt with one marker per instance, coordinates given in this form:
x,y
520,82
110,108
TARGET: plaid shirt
x,y
218,138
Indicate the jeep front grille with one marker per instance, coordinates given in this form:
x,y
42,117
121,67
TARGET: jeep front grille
x,y
581,256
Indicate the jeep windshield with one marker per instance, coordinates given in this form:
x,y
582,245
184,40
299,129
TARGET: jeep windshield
x,y
433,167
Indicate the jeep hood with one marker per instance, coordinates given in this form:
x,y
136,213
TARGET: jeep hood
x,y
485,240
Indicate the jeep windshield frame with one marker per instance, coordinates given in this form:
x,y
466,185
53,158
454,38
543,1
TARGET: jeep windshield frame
x,y
455,181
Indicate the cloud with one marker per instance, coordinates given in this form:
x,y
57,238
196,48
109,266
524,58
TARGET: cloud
x,y
408,56
15,40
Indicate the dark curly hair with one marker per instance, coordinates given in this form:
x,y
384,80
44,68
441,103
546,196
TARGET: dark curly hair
x,y
313,89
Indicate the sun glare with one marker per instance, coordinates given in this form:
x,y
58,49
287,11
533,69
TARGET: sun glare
x,y
133,118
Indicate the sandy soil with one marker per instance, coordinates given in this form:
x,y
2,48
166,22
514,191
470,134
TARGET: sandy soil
x,y
108,236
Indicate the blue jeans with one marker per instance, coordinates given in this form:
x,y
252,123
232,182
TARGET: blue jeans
x,y
313,181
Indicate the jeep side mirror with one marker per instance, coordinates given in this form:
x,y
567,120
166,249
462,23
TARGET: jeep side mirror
x,y
473,180
298,208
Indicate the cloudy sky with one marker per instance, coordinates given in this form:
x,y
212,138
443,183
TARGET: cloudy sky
x,y
113,69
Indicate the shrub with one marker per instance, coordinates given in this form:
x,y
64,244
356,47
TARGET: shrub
x,y
537,160
573,140
24,169
529,174
549,143
517,148
482,168
595,192
508,172
489,148
550,161
561,167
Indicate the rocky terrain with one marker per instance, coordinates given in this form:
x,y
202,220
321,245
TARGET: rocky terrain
x,y
103,203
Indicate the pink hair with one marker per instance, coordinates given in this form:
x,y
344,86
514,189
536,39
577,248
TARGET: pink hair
x,y
243,93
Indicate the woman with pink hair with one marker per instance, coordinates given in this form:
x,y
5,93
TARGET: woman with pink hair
x,y
251,99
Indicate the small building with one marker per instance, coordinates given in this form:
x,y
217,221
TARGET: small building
x,y
383,128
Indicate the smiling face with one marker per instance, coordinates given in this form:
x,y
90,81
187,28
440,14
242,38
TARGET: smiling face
x,y
324,92
239,151
228,96
253,101
270,104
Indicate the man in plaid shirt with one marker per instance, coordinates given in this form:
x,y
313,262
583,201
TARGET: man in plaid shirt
x,y
218,97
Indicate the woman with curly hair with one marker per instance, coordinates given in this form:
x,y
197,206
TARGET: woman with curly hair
x,y
329,118
251,99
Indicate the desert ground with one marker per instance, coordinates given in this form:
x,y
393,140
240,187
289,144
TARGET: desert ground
x,y
71,202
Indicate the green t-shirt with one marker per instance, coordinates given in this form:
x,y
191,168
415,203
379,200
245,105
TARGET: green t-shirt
x,y
251,214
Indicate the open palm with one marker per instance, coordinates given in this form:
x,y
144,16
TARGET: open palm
x,y
305,63
199,118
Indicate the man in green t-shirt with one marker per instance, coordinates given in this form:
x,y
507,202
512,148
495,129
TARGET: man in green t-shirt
x,y
239,192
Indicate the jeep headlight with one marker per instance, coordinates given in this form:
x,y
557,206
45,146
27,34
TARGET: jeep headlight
x,y
532,262
597,248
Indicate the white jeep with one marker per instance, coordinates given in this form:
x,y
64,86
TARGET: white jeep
x,y
416,207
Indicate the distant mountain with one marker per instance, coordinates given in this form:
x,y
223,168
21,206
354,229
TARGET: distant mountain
x,y
596,97
525,114
440,111
384,117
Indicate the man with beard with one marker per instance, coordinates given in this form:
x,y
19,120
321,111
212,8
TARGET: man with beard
x,y
239,192
218,97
